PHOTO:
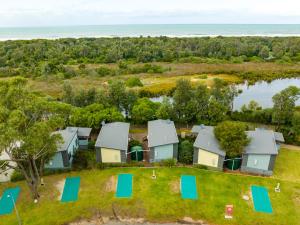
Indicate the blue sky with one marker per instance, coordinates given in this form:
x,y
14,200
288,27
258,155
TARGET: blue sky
x,y
95,12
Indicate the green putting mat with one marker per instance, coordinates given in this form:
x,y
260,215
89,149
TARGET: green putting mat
x,y
124,186
10,195
188,187
71,189
261,199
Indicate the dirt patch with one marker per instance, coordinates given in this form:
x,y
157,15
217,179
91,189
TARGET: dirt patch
x,y
60,187
189,220
132,221
110,185
297,197
175,186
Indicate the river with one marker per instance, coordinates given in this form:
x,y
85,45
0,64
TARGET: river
x,y
261,92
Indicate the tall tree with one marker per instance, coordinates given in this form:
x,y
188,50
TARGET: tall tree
x,y
144,110
184,102
116,93
165,110
284,105
202,97
232,137
26,126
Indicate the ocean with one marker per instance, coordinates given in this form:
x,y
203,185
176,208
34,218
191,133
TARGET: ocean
x,y
171,30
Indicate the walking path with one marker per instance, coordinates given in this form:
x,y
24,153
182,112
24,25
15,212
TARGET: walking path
x,y
291,147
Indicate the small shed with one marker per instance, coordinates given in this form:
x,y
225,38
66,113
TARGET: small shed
x,y
64,156
207,150
112,143
84,134
162,140
260,155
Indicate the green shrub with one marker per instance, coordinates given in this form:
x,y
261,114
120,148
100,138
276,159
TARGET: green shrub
x,y
134,82
168,162
134,143
202,76
185,152
112,165
105,71
16,176
84,159
91,145
203,167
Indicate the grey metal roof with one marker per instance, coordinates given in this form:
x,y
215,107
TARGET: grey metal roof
x,y
114,135
83,131
161,132
261,142
206,140
197,128
67,136
279,136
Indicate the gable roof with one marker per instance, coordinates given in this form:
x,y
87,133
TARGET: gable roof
x,y
83,131
67,136
161,132
279,137
206,139
196,128
113,135
261,142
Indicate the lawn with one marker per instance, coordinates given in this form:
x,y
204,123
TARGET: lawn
x,y
159,200
287,165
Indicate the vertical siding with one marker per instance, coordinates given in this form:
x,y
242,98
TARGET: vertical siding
x,y
98,155
151,154
56,162
110,155
195,155
123,156
163,152
208,158
72,148
83,144
258,161
175,151
221,161
272,162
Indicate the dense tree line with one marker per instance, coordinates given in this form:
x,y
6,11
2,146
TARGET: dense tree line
x,y
42,57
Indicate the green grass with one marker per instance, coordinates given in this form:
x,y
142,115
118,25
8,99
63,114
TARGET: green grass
x,y
155,200
287,165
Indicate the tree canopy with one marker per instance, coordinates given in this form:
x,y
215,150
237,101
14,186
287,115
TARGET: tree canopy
x,y
27,123
232,137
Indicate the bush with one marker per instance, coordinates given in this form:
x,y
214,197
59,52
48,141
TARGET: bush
x,y
202,76
134,143
112,165
168,162
134,82
91,145
185,152
84,159
203,167
105,71
16,176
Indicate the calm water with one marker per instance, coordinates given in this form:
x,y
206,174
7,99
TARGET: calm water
x,y
184,30
261,92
